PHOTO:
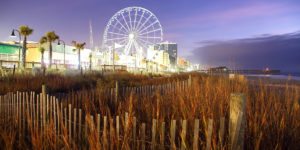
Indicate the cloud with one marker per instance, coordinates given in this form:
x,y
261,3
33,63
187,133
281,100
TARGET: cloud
x,y
233,14
274,51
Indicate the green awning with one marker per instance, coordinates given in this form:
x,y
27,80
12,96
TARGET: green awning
x,y
9,49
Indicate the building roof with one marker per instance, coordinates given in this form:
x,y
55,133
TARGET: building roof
x,y
167,42
11,45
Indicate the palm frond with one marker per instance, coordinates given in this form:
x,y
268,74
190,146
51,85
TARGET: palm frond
x,y
43,40
25,30
52,36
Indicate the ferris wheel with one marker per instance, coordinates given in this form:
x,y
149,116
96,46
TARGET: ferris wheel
x,y
133,29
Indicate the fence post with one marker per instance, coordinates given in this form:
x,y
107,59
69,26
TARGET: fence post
x,y
237,120
134,132
162,136
111,133
74,124
173,134
196,134
118,130
58,113
80,124
143,132
126,121
190,81
221,131
70,123
183,135
44,105
98,126
105,144
116,93
209,134
153,141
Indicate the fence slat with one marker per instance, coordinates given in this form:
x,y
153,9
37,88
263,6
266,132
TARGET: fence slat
x,y
209,134
118,130
134,133
162,136
104,136
237,108
153,141
183,135
173,134
196,134
143,134
221,132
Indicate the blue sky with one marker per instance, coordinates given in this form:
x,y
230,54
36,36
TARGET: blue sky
x,y
187,22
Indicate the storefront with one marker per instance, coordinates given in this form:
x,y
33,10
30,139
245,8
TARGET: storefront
x,y
9,52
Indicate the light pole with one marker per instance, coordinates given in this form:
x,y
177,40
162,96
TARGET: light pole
x,y
14,35
58,43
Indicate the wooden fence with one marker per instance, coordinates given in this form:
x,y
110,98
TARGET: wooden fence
x,y
38,111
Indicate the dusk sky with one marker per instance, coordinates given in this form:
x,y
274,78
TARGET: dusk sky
x,y
199,27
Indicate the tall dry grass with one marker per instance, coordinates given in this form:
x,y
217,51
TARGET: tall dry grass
x,y
272,113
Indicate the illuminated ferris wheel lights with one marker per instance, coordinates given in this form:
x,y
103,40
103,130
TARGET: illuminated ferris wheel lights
x,y
134,27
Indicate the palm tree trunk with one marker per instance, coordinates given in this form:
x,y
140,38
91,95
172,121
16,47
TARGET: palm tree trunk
x,y
79,62
42,61
50,54
24,51
90,63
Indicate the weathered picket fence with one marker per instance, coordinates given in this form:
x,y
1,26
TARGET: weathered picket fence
x,y
30,110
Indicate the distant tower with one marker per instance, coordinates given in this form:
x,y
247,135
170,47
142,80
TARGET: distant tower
x,y
91,36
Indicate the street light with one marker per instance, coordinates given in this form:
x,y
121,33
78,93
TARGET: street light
x,y
58,43
14,35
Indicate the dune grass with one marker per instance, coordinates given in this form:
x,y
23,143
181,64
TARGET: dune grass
x,y
272,113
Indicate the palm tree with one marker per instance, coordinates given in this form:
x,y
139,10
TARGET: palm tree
x,y
90,57
25,31
50,37
42,50
42,41
79,47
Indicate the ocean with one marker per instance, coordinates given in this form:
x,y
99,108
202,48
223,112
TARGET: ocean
x,y
283,76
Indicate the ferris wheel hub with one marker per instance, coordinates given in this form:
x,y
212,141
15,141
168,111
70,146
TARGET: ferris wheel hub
x,y
131,36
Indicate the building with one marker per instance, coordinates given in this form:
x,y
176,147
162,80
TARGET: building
x,y
220,69
171,49
181,62
9,51
158,56
60,54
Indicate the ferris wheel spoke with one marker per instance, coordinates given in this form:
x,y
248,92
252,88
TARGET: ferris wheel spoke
x,y
117,34
122,25
125,22
141,43
116,39
134,23
145,37
141,30
128,47
150,31
123,42
130,20
150,43
118,29
139,22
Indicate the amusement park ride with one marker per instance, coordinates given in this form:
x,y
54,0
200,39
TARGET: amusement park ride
x,y
129,33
